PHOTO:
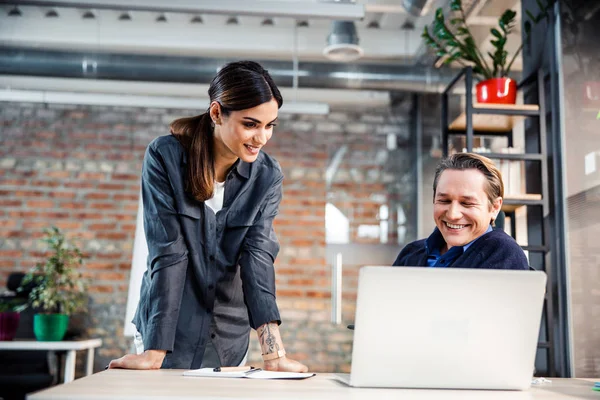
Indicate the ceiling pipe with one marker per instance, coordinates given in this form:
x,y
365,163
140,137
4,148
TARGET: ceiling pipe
x,y
263,8
33,62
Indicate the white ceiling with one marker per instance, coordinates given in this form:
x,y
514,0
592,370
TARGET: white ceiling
x,y
383,33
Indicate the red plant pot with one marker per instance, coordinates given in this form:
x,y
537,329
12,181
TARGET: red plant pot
x,y
9,322
497,90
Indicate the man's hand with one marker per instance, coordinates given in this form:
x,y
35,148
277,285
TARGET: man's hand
x,y
149,359
285,364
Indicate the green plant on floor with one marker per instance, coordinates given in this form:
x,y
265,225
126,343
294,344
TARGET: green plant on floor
x,y
59,287
453,40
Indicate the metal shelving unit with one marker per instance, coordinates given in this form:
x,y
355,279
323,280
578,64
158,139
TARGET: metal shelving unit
x,y
481,120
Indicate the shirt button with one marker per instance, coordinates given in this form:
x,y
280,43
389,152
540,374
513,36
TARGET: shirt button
x,y
213,336
211,258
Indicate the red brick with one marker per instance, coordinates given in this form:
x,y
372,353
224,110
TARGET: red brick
x,y
99,265
8,223
79,185
40,204
58,174
111,186
63,195
92,176
10,203
125,177
110,276
132,197
100,289
34,224
289,293
11,253
86,215
112,235
102,227
72,205
53,215
103,206
97,196
320,295
68,224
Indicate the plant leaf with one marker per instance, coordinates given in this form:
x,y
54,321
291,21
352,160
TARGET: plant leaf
x,y
456,5
496,33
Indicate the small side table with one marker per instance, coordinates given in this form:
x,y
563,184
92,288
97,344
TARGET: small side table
x,y
70,346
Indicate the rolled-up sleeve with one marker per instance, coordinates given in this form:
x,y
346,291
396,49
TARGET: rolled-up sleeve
x,y
257,258
167,258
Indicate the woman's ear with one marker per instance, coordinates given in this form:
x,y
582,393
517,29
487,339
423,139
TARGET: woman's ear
x,y
215,112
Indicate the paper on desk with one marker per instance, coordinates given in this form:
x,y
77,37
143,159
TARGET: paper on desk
x,y
252,374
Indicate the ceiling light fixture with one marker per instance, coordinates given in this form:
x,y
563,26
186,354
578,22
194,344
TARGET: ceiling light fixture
x,y
15,12
342,42
418,8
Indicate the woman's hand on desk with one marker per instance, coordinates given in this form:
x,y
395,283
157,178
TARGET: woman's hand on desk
x,y
285,364
149,359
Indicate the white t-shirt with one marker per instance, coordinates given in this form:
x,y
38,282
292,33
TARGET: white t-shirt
x,y
216,202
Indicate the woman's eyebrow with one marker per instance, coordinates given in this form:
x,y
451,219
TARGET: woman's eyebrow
x,y
258,121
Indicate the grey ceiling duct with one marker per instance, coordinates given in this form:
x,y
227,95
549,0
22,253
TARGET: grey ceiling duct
x,y
33,62
342,42
417,8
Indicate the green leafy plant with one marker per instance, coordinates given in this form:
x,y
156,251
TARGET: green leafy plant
x,y
453,40
12,305
58,284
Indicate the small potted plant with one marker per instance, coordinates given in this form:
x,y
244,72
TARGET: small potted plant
x,y
58,287
455,43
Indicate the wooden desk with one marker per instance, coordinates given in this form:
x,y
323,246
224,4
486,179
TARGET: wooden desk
x,y
70,346
172,385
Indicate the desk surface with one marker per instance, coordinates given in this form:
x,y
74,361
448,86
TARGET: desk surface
x,y
172,385
61,345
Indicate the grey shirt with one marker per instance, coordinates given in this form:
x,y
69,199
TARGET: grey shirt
x,y
208,277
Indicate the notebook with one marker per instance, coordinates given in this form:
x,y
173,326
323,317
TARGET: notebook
x,y
446,328
254,373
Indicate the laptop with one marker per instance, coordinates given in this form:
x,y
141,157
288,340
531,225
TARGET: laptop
x,y
448,328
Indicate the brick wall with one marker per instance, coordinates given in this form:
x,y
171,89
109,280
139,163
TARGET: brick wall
x,y
79,168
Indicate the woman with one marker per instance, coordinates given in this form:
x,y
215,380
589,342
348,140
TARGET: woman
x,y
210,196
467,197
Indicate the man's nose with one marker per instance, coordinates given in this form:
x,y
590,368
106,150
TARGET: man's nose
x,y
454,211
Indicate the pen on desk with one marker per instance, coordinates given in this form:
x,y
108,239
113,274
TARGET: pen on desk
x,y
233,369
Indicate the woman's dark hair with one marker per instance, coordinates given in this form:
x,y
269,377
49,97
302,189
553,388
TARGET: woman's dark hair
x,y
237,86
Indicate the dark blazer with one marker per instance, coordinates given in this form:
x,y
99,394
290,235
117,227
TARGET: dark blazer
x,y
494,250
198,262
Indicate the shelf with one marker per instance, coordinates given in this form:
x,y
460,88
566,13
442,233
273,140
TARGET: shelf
x,y
512,202
494,118
535,249
512,156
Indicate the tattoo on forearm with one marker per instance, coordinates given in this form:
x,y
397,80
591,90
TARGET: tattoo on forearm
x,y
267,338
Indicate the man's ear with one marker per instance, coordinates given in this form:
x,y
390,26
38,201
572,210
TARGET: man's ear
x,y
215,112
497,206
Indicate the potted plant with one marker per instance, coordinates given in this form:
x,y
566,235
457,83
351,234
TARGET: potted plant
x,y
59,289
455,43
